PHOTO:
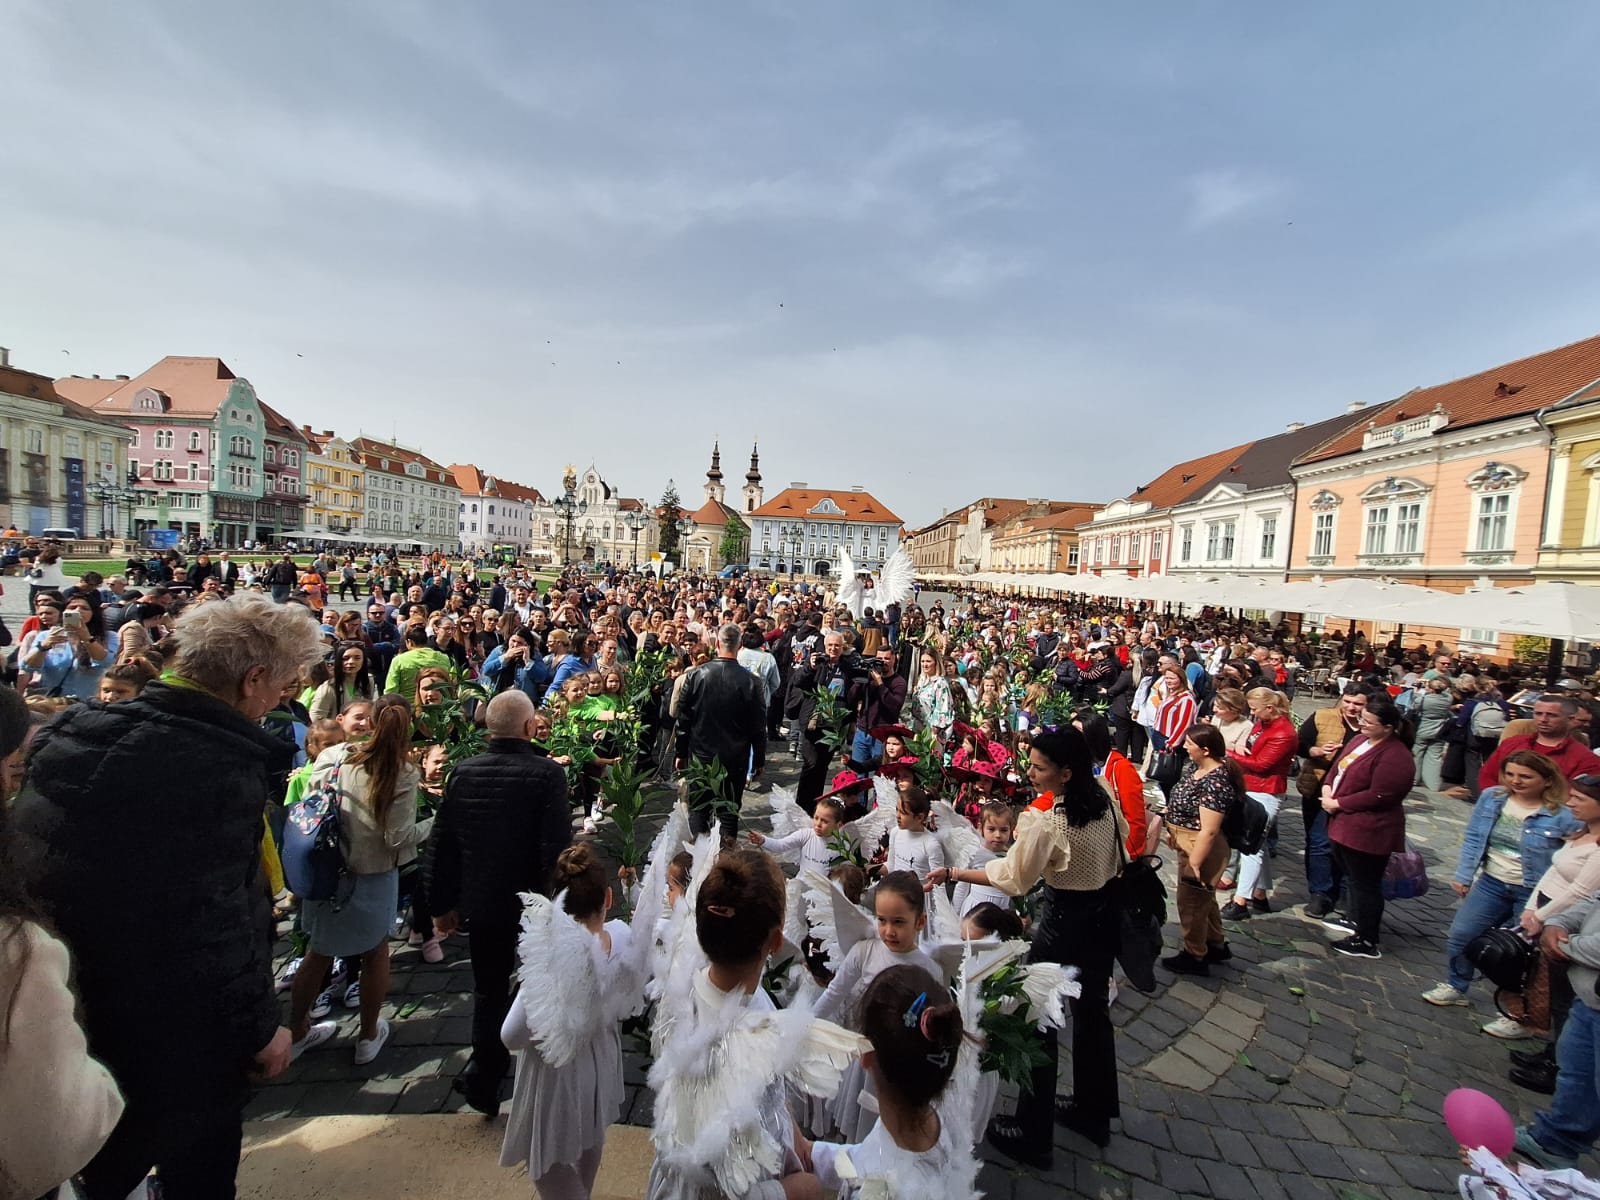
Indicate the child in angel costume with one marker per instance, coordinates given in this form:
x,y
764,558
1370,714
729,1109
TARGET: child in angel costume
x,y
794,835
996,823
727,1057
581,975
921,1146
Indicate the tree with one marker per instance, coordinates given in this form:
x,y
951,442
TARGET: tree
x,y
671,508
735,538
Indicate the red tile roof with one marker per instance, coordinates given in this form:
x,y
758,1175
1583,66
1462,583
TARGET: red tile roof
x,y
16,382
472,482
1066,518
194,387
1513,389
713,513
1186,480
798,502
374,453
279,426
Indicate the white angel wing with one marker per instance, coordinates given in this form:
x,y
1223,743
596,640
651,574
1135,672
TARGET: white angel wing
x,y
562,1007
795,929
635,968
681,951
956,834
719,1091
897,580
787,815
1048,986
868,830
835,922
851,594
885,793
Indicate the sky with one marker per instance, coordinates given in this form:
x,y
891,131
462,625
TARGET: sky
x,y
939,250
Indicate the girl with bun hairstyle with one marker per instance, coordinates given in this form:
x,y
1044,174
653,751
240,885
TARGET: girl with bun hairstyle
x,y
563,1025
916,1034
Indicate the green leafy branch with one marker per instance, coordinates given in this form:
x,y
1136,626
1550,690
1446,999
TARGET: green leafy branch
x,y
1011,1046
833,719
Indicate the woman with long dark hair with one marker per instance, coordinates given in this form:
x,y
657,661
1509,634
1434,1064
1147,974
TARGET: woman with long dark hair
x,y
1076,847
377,787
351,679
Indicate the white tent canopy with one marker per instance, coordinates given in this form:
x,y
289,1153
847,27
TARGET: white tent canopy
x,y
1570,611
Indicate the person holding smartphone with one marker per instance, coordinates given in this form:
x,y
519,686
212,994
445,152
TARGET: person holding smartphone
x,y
70,650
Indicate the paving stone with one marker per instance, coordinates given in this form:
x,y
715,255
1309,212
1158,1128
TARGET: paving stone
x,y
1252,1009
1324,1126
1227,1181
271,1103
1212,1060
1173,1068
1180,1173
1131,1157
1276,1154
1027,1187
1145,1127
1267,1184
1191,1139
454,1031
1144,1189
1192,994
1223,1039
1428,1174
424,1096
1327,1162
1323,1069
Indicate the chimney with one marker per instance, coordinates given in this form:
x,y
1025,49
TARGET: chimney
x,y
5,357
800,486
1355,406
856,487
124,378
1295,426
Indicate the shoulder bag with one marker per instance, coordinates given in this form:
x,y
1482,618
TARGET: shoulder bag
x,y
313,858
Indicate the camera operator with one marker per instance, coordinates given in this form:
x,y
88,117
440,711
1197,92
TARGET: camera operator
x,y
827,669
877,700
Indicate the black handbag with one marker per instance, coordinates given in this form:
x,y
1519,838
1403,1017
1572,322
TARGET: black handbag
x,y
1165,768
1142,911
1505,957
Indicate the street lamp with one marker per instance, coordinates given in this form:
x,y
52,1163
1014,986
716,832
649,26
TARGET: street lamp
x,y
569,507
635,521
107,491
685,526
792,534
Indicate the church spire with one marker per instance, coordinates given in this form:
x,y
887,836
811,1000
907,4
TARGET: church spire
x,y
715,474
753,475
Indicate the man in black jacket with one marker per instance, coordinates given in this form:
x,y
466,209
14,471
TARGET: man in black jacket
x,y
824,670
503,822
722,717
158,891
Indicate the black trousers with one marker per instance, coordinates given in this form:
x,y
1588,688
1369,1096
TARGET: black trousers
x,y
195,1150
1122,733
1079,929
701,814
814,760
1363,874
493,946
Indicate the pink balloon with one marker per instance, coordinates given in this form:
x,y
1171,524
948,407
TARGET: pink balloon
x,y
1475,1119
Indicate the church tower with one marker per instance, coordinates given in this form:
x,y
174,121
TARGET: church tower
x,y
714,475
752,482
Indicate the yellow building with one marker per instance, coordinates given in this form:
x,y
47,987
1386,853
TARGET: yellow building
x,y
333,479
1569,548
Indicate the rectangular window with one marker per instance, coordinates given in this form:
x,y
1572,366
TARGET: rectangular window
x,y
35,441
1408,528
1322,536
1133,547
1376,539
1099,551
1186,546
134,445
1213,540
1116,549
194,472
1156,540
1478,641
1072,558
1494,512
1269,537
194,439
1227,540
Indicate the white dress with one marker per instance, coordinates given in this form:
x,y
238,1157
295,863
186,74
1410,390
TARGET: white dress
x,y
557,1113
915,850
883,1169
969,895
842,1003
815,854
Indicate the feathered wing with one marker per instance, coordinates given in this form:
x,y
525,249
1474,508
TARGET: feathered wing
x,y
868,830
835,921
634,970
787,815
897,580
795,929
714,1090
557,954
681,951
851,594
956,834
1048,986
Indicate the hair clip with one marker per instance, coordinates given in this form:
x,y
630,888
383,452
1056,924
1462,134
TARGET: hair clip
x,y
940,1059
719,910
914,1014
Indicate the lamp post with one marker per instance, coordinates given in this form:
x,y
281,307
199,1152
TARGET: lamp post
x,y
107,491
685,526
792,534
569,507
635,521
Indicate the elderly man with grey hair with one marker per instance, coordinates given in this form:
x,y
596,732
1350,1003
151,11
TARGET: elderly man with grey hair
x,y
722,717
503,822
157,889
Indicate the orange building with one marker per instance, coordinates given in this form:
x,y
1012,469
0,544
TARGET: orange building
x,y
1443,487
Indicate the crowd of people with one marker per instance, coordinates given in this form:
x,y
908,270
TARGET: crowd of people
x,y
972,768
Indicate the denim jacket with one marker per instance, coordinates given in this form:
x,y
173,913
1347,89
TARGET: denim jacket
x,y
1542,835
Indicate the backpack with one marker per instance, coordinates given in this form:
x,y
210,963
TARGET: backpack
x,y
1488,719
1245,824
313,860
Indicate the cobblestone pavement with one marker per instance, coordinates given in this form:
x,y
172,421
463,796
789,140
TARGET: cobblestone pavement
x,y
1288,1072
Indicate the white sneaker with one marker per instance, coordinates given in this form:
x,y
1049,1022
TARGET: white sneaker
x,y
367,1048
1444,995
589,826
319,1033
286,976
322,1005
1505,1027
352,995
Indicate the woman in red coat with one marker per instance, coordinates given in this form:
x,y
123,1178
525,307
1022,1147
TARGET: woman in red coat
x,y
1362,796
1265,758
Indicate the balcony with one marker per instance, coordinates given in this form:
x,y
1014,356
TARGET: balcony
x,y
1406,431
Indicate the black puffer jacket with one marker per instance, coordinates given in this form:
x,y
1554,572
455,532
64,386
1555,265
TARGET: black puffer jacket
x,y
140,837
503,822
721,715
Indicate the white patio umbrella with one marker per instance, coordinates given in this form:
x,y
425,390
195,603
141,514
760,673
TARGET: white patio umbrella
x,y
1568,611
1369,599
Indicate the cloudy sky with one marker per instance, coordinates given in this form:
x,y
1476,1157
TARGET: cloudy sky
x,y
940,250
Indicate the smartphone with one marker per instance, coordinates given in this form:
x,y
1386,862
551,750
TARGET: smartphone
x,y
72,619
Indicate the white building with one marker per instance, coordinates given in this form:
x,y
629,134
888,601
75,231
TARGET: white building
x,y
604,526
801,529
494,511
410,498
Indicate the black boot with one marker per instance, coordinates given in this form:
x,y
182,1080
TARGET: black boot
x,y
1541,1079
1008,1137
1070,1116
1534,1058
1184,963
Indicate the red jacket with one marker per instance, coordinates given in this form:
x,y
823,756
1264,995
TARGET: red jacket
x,y
1268,756
1371,794
1574,758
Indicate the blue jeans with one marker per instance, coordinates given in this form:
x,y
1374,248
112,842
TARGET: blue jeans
x,y
1573,1122
865,748
1489,903
1323,877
